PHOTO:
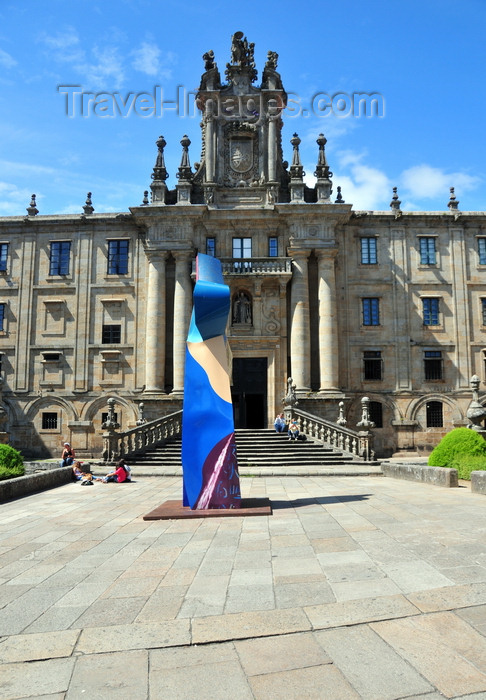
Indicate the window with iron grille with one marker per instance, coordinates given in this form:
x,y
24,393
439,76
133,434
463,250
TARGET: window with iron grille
x,y
3,256
372,364
111,334
483,311
433,367
430,311
59,258
427,250
2,317
434,414
371,311
482,251
118,257
49,421
273,247
376,413
211,247
368,251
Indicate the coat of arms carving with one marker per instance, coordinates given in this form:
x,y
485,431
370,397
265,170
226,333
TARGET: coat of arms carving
x,y
241,155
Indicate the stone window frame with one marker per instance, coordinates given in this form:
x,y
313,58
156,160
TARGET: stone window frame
x,y
377,360
481,244
434,418
363,253
113,258
420,251
273,246
56,428
57,272
367,311
4,248
433,361
426,300
3,317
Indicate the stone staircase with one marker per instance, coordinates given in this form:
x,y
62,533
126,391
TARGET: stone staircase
x,y
264,452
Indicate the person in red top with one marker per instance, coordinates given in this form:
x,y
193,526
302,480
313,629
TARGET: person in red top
x,y
119,475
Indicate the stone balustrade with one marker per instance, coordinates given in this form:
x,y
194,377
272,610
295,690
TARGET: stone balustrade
x,y
130,443
254,266
355,444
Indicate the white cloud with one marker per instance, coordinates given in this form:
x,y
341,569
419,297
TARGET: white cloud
x,y
146,59
363,186
426,182
13,200
6,60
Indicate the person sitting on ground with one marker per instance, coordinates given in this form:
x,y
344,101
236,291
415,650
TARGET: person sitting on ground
x,y
118,476
77,471
68,456
293,430
279,423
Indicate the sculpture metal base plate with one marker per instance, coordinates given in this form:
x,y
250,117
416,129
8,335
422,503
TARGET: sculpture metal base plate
x,y
174,510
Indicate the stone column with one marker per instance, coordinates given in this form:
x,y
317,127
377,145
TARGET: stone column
x,y
299,321
155,324
182,315
328,332
272,141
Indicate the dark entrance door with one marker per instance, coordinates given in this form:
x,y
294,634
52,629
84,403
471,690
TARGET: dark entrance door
x,y
249,392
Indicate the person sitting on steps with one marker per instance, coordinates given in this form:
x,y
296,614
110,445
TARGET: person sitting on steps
x,y
279,423
293,430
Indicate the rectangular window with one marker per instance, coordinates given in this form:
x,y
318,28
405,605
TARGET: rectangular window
x,y
59,258
3,257
111,334
376,413
49,421
2,317
242,249
118,257
427,250
372,365
482,251
272,247
368,251
483,311
434,414
211,247
371,311
432,365
431,311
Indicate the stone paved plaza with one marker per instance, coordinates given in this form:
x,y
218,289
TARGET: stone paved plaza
x,y
354,588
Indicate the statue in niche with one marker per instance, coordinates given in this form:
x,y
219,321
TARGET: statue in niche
x,y
242,308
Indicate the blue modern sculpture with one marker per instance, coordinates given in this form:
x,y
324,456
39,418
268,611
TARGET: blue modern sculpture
x,y
209,463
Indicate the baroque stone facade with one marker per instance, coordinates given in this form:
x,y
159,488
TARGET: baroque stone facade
x,y
389,305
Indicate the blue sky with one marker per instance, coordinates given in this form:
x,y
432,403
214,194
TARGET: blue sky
x,y
426,59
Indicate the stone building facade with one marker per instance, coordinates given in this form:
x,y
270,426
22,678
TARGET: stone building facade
x,y
391,305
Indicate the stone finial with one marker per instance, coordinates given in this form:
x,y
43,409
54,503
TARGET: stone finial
x,y
290,398
476,411
145,201
32,208
365,422
141,419
272,59
341,420
185,172
322,168
453,203
110,422
208,59
395,202
160,171
88,207
296,169
339,199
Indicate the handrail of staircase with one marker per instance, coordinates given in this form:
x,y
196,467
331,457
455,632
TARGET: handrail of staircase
x,y
134,442
355,444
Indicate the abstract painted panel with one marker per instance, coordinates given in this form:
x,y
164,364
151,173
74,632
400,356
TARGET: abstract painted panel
x,y
209,463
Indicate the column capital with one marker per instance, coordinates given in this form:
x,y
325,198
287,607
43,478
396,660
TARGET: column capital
x,y
156,254
299,252
183,254
323,253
